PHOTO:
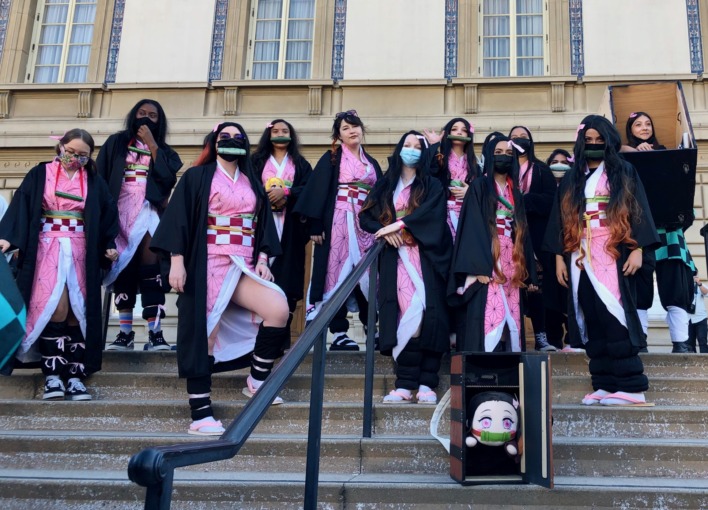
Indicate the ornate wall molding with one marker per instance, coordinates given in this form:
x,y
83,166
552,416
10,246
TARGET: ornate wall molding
x,y
4,104
577,56
114,46
340,30
695,38
558,97
471,98
230,101
217,39
85,96
315,100
450,39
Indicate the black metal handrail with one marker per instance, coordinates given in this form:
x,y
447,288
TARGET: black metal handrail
x,y
154,467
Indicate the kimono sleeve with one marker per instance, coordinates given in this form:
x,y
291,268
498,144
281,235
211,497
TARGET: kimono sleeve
x,y
16,224
553,239
175,231
540,203
303,170
164,173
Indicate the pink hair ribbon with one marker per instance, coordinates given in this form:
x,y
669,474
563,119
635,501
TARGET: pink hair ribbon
x,y
577,131
424,139
515,146
632,115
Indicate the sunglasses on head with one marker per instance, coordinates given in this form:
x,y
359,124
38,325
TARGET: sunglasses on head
x,y
348,113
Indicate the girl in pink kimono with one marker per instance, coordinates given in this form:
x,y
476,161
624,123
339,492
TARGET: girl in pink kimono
x,y
490,259
219,236
598,228
63,222
331,202
407,208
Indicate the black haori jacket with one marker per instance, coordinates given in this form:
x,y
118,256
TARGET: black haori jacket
x,y
182,230
22,225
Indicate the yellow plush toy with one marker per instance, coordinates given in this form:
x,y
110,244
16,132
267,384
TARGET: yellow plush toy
x,y
274,182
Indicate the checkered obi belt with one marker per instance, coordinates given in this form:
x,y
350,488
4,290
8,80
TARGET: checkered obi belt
x,y
135,173
353,193
238,229
62,221
595,215
504,220
452,201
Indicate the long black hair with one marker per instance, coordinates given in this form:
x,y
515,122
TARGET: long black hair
x,y
531,153
520,226
381,195
265,147
555,153
131,130
473,170
84,136
632,140
245,166
622,208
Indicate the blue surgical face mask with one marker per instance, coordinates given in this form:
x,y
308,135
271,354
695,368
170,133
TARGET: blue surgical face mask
x,y
410,157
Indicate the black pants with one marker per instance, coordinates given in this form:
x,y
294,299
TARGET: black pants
x,y
416,367
698,331
145,279
340,324
62,348
615,364
556,327
536,311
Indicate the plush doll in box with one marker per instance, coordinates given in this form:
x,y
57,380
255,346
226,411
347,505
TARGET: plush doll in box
x,y
493,420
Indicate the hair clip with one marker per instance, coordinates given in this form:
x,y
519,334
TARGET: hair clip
x,y
632,115
269,125
57,137
577,131
347,113
571,159
517,147
471,128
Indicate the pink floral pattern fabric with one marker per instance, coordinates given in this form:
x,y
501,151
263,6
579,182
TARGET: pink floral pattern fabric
x,y
47,269
406,287
227,198
458,172
131,197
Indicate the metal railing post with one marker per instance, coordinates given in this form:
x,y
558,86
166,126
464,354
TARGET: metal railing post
x,y
314,433
370,353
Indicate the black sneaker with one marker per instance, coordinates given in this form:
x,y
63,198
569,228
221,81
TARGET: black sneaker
x,y
77,390
343,343
542,344
156,342
123,342
53,388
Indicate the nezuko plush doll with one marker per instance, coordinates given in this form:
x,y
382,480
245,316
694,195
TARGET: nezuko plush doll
x,y
493,421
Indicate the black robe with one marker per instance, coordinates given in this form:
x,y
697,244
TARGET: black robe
x,y
22,225
428,226
538,203
161,178
643,232
316,203
472,255
289,268
182,230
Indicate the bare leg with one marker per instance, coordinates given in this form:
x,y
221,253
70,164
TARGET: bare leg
x,y
261,300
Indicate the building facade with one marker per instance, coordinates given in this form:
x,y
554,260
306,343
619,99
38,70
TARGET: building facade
x,y
401,64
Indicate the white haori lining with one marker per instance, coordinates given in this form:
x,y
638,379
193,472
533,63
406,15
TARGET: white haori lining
x,y
279,216
413,317
494,336
146,222
66,276
353,258
454,219
238,327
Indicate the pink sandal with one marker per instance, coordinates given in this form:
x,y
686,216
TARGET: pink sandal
x,y
397,396
595,397
206,427
621,398
427,397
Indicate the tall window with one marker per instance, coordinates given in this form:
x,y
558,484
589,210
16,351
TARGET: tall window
x,y
61,45
513,37
281,41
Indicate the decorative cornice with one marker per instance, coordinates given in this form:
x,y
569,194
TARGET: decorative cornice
x,y
577,56
217,39
114,46
340,29
695,38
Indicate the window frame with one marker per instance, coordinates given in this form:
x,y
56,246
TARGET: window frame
x,y
37,22
513,41
283,41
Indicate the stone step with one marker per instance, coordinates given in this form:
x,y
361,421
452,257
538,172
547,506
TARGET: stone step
x,y
168,416
680,391
217,491
282,453
655,364
160,386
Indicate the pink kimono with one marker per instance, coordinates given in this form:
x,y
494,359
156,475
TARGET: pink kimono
x,y
458,174
285,171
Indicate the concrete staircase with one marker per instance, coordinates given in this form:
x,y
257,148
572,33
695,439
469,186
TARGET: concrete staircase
x,y
74,455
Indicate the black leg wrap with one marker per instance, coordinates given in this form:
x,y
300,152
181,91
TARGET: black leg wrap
x,y
408,366
52,347
152,294
75,350
200,408
270,340
199,385
430,368
260,370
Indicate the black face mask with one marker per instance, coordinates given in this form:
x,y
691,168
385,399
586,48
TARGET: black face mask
x,y
145,121
594,151
502,164
230,149
524,143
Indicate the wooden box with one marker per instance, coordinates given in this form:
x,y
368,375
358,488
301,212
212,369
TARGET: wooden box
x,y
526,375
